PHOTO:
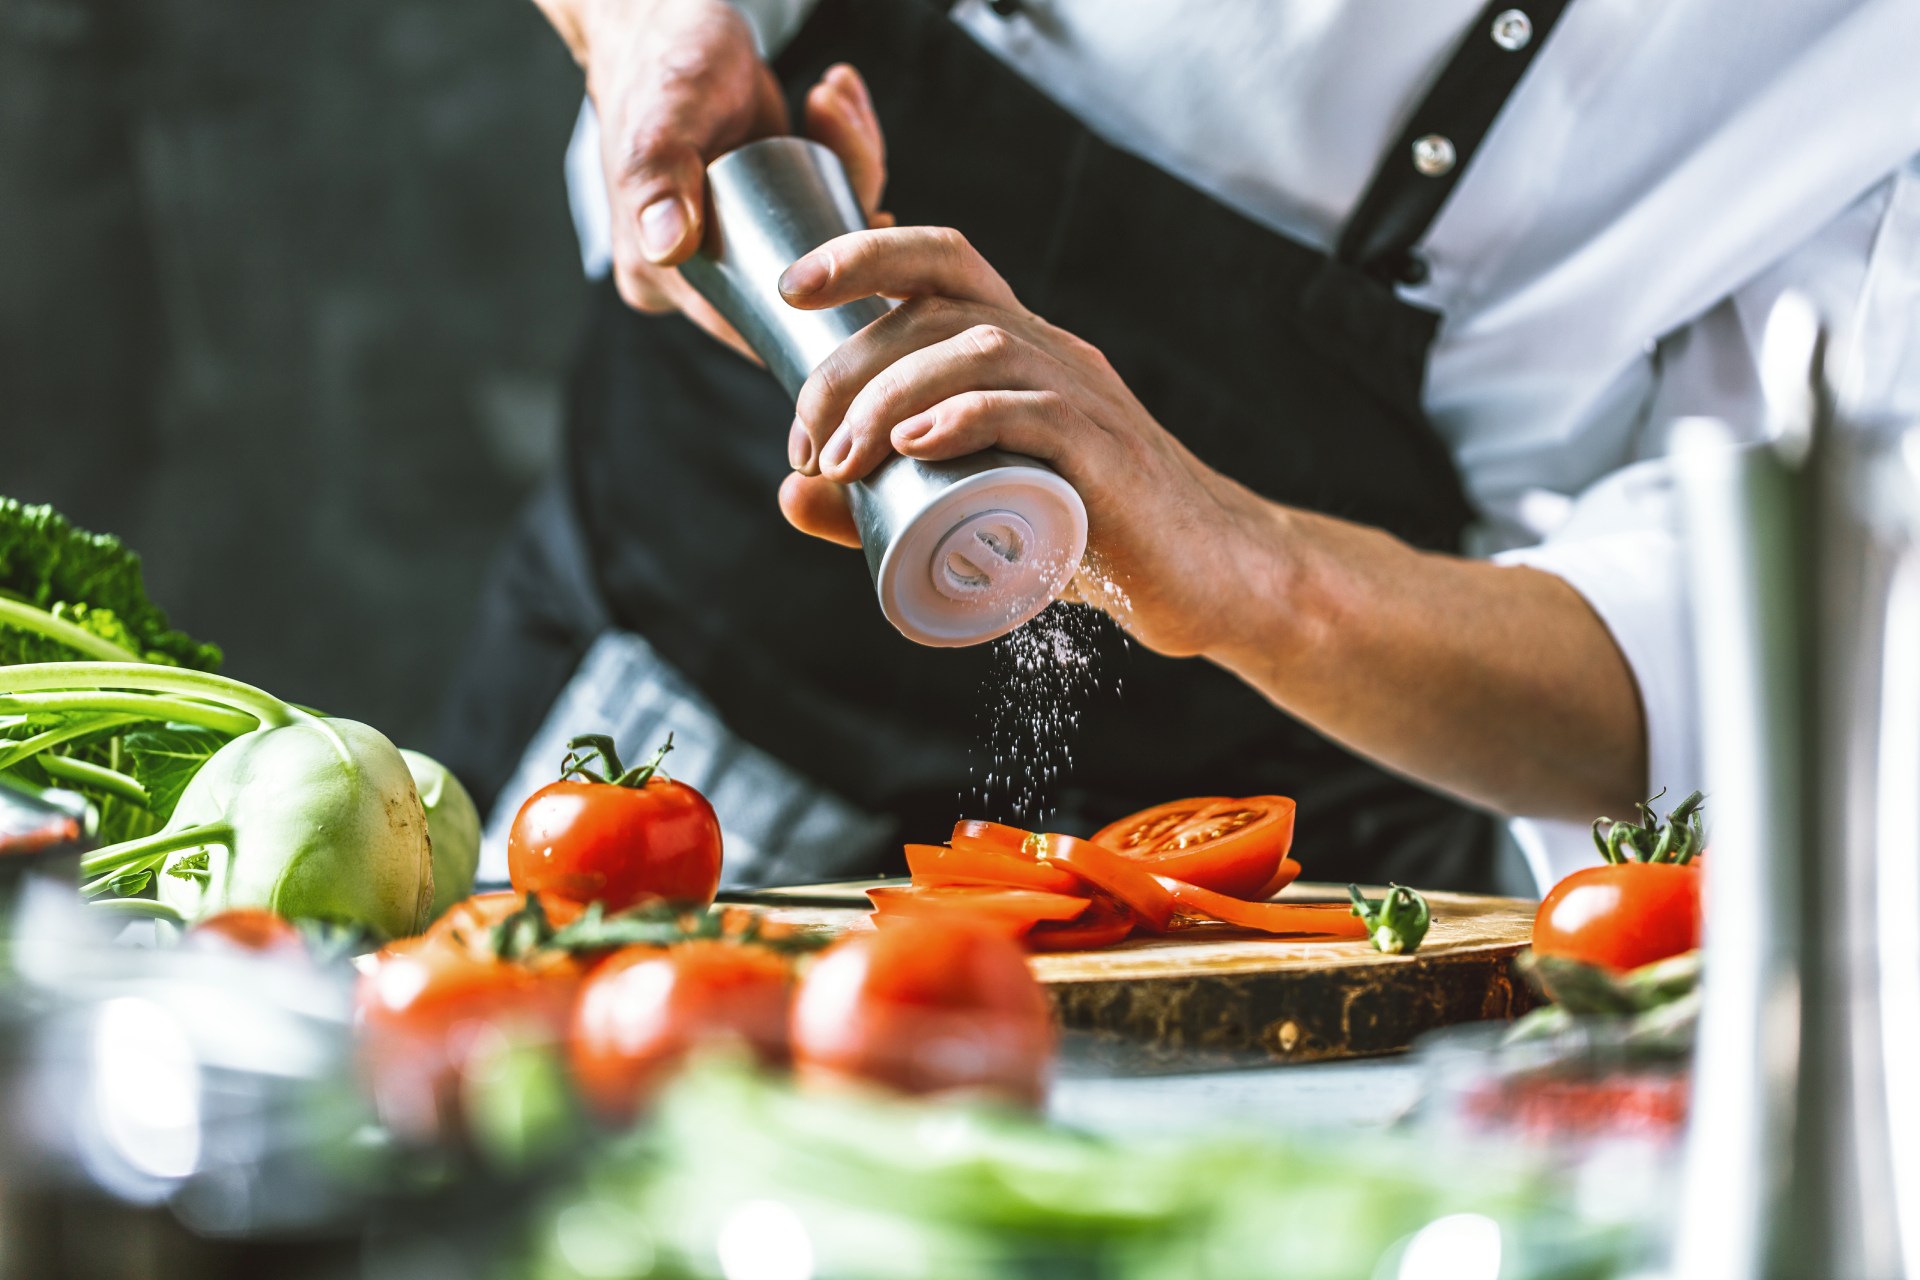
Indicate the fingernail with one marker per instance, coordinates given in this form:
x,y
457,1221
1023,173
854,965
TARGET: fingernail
x,y
837,450
663,224
913,428
803,277
799,446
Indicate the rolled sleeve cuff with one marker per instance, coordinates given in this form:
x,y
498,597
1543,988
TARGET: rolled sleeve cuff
x,y
1635,581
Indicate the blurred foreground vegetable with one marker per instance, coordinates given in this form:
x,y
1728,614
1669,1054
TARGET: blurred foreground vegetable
x,y
743,1177
1642,906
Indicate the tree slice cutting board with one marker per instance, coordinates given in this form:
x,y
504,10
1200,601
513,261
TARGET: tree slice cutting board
x,y
1215,996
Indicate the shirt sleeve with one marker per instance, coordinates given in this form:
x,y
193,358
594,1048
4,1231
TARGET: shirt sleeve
x,y
1619,542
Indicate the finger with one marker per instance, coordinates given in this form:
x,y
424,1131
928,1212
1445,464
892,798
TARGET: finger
x,y
1040,424
830,390
702,91
981,357
840,116
662,290
895,262
818,507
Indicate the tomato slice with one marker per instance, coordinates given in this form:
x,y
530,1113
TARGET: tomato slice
x,y
1012,911
1229,846
994,837
1331,919
1286,874
1114,874
1105,923
933,864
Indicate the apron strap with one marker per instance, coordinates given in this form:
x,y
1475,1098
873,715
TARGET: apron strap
x,y
1420,169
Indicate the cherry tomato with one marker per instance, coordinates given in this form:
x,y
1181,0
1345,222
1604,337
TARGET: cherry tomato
x,y
644,1009
428,1006
931,1006
470,923
253,929
615,844
1229,846
1622,915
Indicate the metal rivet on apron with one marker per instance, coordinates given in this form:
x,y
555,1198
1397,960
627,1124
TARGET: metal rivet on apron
x,y
1512,30
1433,155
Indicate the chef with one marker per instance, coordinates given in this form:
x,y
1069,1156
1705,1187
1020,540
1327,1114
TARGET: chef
x,y
1357,324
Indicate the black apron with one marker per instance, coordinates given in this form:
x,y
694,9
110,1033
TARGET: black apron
x,y
1296,372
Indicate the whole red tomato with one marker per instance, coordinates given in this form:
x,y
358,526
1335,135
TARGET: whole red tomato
x,y
428,1006
1622,915
619,838
253,929
644,1009
930,1006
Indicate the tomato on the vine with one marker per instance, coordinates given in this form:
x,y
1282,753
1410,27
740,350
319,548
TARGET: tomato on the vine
x,y
931,1006
618,838
1621,916
644,1009
1642,906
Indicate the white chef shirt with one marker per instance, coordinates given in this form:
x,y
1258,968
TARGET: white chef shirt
x,y
1664,171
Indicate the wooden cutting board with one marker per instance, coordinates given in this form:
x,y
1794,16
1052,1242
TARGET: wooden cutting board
x,y
1215,996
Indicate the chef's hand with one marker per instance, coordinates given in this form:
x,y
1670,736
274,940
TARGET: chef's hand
x,y
676,83
961,366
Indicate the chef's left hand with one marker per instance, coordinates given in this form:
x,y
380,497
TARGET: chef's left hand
x,y
961,366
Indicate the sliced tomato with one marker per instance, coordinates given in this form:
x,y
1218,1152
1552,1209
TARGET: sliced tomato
x,y
1286,874
998,837
1114,874
1012,912
1105,923
933,864
1229,846
1331,919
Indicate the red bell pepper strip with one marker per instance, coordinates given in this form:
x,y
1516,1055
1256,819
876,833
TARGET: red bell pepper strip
x,y
933,864
1114,874
1330,919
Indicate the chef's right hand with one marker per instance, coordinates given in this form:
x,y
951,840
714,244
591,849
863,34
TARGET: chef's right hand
x,y
677,83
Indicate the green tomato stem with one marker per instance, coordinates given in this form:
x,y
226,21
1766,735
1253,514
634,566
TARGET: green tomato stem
x,y
26,617
140,706
97,776
151,849
39,676
139,909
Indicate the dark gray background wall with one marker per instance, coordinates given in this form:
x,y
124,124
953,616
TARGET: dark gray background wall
x,y
287,290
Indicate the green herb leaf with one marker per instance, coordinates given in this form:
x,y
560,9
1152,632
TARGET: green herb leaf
x,y
128,885
165,760
195,866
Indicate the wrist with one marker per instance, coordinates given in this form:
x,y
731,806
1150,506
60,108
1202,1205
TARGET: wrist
x,y
1275,605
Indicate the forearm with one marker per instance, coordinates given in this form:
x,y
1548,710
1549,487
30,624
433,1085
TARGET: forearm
x,y
1498,684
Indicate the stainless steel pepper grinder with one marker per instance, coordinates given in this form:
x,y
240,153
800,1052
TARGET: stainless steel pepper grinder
x,y
960,551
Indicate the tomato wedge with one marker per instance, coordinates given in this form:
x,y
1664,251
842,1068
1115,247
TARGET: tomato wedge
x,y
933,864
1105,923
1114,874
1010,911
1332,919
1288,872
1229,846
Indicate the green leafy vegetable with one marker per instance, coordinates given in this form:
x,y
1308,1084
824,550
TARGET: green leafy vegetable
x,y
80,593
166,759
